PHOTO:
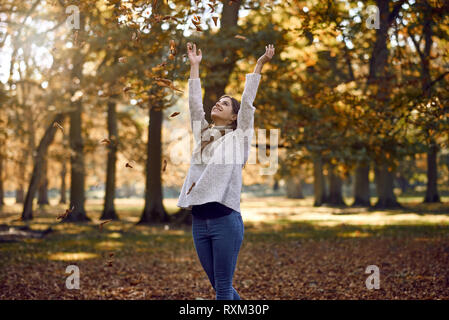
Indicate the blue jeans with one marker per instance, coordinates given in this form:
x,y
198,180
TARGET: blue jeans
x,y
217,242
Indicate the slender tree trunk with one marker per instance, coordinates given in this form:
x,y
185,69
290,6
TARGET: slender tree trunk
x,y
21,177
19,194
294,187
276,185
43,187
27,213
385,188
335,188
432,166
154,209
432,175
403,183
319,187
361,186
108,208
77,170
2,191
63,198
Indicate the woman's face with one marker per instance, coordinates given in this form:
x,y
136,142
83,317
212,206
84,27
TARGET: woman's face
x,y
221,112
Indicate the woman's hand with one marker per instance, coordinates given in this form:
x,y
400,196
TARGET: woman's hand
x,y
269,53
194,58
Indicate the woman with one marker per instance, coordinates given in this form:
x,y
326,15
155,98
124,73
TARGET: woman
x,y
214,181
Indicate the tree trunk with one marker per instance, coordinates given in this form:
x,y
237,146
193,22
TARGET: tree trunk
x,y
385,188
19,194
378,75
154,209
63,199
276,185
335,188
432,166
319,188
432,176
403,183
77,170
361,186
294,187
21,177
108,208
27,213
2,192
43,187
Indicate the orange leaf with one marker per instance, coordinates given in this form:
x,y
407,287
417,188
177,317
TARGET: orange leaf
x,y
105,140
240,37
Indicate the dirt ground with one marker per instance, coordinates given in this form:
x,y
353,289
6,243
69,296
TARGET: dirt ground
x,y
291,251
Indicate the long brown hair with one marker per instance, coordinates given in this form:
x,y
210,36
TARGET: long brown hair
x,y
235,110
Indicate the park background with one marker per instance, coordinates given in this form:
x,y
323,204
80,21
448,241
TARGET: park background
x,y
94,119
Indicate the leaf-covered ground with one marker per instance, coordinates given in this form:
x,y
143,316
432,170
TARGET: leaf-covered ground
x,y
287,253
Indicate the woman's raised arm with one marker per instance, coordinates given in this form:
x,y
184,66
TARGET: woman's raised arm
x,y
197,114
245,117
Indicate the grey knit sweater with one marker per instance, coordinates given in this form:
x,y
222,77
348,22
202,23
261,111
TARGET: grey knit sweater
x,y
215,175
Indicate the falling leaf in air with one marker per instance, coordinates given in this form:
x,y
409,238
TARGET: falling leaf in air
x,y
165,165
122,60
240,37
174,114
166,83
57,125
193,184
163,82
196,21
172,50
215,20
104,222
105,140
174,88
